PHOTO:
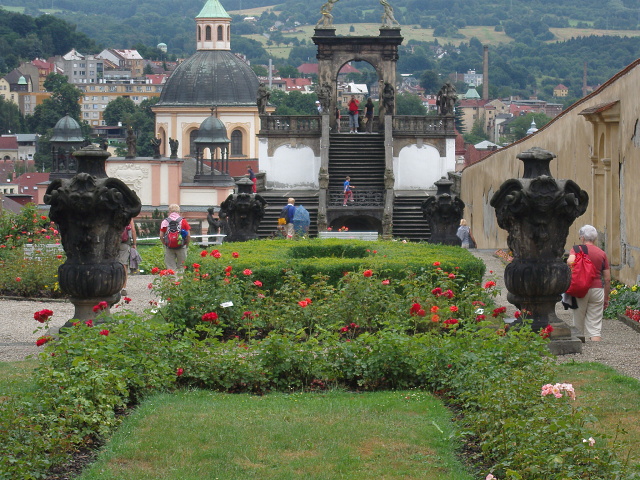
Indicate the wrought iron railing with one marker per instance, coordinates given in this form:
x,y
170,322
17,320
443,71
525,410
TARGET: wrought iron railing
x,y
361,198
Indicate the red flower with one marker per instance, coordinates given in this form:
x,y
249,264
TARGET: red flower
x,y
89,323
127,300
489,284
308,300
517,314
150,286
228,269
367,273
154,270
453,308
303,303
216,254
450,321
436,291
385,282
213,253
196,266
546,331
18,279
415,308
353,325
42,340
499,311
436,264
452,276
257,283
421,313
235,254
248,314
344,329
203,253
58,257
247,272
210,317
101,306
104,332
434,309
43,315
179,371
448,294
480,318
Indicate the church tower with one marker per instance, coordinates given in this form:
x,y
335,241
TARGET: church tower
x,y
213,27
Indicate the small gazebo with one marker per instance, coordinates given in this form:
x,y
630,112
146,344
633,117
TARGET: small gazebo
x,y
67,137
212,135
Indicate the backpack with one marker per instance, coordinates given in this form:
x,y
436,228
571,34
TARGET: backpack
x,y
583,272
126,234
173,237
286,214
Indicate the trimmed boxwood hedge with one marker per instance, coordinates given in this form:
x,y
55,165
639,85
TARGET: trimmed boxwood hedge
x,y
333,257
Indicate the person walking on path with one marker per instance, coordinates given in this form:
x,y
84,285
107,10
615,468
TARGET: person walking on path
x,y
127,244
175,256
368,115
465,235
353,114
289,211
348,193
587,318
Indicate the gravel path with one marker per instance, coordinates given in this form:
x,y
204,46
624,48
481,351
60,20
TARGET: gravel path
x,y
619,348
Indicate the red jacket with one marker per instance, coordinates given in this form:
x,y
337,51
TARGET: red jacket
x,y
353,106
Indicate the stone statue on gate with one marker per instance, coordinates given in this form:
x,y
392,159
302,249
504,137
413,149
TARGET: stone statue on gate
x,y
324,97
155,144
388,98
388,19
326,21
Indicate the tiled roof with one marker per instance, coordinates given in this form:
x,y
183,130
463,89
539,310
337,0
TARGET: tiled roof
x,y
9,143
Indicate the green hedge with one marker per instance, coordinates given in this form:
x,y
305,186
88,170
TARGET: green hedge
x,y
333,257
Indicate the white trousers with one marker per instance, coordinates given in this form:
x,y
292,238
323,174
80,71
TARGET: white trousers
x,y
587,318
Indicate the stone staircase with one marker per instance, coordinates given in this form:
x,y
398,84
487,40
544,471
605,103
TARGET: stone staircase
x,y
360,156
278,199
408,222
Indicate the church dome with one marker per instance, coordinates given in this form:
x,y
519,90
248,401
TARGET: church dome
x,y
211,77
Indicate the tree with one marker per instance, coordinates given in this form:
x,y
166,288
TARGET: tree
x,y
287,71
259,70
409,104
11,120
477,133
54,81
293,103
117,110
63,101
430,81
517,129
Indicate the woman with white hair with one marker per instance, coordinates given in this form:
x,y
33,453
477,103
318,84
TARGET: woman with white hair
x,y
587,318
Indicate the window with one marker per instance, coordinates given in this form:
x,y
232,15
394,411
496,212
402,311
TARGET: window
x,y
236,143
199,33
95,106
207,33
220,34
228,32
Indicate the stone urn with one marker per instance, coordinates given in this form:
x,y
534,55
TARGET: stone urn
x,y
91,211
243,212
443,211
537,211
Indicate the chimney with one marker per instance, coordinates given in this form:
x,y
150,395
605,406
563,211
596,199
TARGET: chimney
x,y
485,73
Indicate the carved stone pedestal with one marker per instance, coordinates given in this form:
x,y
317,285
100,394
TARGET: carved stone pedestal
x,y
537,211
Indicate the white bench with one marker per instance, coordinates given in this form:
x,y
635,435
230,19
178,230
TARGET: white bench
x,y
369,236
36,250
206,240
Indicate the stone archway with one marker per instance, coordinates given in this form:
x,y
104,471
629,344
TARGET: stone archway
x,y
334,51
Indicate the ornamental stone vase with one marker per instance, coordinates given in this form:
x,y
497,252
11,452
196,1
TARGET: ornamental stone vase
x,y
443,211
243,211
537,211
91,211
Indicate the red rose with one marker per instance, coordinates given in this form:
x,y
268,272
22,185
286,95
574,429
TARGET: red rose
x,y
247,272
203,253
257,283
104,332
367,273
235,254
210,317
179,371
42,340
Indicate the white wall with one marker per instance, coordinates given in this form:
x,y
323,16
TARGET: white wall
x,y
290,167
417,168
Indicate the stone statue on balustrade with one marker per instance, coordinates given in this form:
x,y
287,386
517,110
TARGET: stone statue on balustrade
x,y
324,97
155,144
446,99
131,143
173,146
263,99
388,98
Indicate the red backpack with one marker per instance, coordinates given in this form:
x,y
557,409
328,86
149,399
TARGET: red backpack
x,y
583,271
173,235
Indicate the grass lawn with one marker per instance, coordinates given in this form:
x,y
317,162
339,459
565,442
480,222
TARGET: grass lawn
x,y
332,435
203,435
